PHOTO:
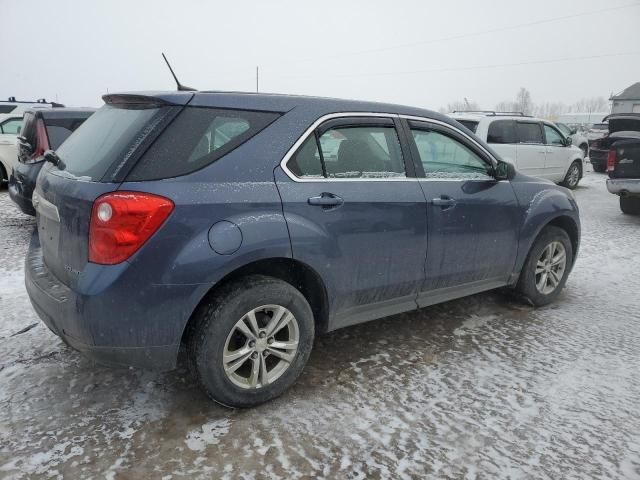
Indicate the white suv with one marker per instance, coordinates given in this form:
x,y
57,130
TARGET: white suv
x,y
535,146
11,113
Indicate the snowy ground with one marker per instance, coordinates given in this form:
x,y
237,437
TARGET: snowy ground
x,y
480,387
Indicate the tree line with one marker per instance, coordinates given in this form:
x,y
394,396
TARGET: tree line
x,y
524,103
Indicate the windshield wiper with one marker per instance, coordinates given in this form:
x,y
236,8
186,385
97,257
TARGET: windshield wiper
x,y
52,157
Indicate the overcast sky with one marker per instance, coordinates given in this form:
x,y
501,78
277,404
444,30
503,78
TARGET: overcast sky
x,y
418,52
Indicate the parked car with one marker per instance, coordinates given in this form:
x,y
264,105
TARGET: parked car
x,y
596,131
42,130
623,160
577,138
215,221
11,112
536,147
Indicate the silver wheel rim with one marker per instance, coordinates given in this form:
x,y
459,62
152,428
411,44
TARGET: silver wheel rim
x,y
550,267
261,346
574,175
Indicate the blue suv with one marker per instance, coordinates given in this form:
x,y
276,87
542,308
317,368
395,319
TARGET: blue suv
x,y
242,225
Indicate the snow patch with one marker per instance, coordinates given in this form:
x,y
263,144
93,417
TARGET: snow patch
x,y
208,434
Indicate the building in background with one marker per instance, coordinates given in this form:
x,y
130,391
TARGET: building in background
x,y
627,101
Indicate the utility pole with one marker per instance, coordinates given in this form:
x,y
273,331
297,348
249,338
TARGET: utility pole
x,y
257,78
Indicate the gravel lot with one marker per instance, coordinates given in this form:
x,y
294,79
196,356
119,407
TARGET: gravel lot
x,y
479,387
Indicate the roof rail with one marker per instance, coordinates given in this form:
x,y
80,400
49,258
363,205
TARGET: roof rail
x,y
493,113
39,100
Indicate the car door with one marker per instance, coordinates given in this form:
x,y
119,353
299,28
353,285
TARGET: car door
x,y
9,131
472,218
532,153
356,216
557,154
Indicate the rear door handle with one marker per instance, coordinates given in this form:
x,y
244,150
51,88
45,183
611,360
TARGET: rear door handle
x,y
326,200
444,201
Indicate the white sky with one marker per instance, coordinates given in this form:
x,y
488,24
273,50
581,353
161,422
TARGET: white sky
x,y
77,50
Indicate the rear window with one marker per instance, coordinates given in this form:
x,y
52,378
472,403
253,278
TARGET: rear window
x,y
196,138
470,124
7,108
108,138
59,129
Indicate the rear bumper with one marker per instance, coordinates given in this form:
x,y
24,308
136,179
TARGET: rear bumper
x,y
21,196
624,186
119,322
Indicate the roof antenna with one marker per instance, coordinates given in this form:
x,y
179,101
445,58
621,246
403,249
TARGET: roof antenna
x,y
181,88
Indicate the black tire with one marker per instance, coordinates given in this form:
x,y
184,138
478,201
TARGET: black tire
x,y
527,281
4,178
217,318
572,178
630,205
598,168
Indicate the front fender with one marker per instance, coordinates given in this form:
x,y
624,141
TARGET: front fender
x,y
542,207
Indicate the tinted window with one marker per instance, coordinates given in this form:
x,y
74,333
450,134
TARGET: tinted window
x,y
196,138
11,126
470,124
529,132
58,129
57,135
502,131
553,136
362,152
306,162
107,137
7,108
443,156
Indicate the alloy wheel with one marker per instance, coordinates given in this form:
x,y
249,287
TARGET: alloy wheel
x,y
574,175
550,267
261,346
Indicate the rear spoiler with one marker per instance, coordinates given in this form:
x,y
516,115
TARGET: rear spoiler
x,y
148,100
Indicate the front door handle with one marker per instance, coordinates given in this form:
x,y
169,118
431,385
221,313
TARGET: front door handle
x,y
326,200
444,201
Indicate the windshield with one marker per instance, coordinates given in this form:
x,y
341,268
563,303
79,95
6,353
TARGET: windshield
x,y
110,135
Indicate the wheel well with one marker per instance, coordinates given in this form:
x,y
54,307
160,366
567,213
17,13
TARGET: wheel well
x,y
296,273
569,226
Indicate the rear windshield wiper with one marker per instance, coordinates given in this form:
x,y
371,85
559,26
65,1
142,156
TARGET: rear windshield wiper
x,y
52,157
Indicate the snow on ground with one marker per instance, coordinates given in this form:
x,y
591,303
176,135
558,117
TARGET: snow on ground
x,y
479,387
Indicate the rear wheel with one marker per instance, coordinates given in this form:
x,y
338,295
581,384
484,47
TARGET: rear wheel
x,y
630,205
572,177
252,341
547,267
4,178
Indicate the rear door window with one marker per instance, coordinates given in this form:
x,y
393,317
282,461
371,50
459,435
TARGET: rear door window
x,y
502,131
196,138
529,132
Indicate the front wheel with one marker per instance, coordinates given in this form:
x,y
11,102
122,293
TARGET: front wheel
x,y
630,205
547,267
250,342
572,177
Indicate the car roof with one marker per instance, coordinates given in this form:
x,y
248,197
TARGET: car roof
x,y
477,117
277,102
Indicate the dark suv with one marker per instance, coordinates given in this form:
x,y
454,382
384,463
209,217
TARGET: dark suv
x,y
41,130
242,225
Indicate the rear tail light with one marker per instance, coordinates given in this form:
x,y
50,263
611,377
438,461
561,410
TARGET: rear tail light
x,y
42,140
121,222
611,160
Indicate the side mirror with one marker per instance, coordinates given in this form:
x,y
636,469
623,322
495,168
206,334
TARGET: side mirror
x,y
568,141
573,131
505,171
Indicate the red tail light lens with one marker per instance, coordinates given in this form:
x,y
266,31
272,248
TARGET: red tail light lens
x,y
611,160
121,222
42,140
